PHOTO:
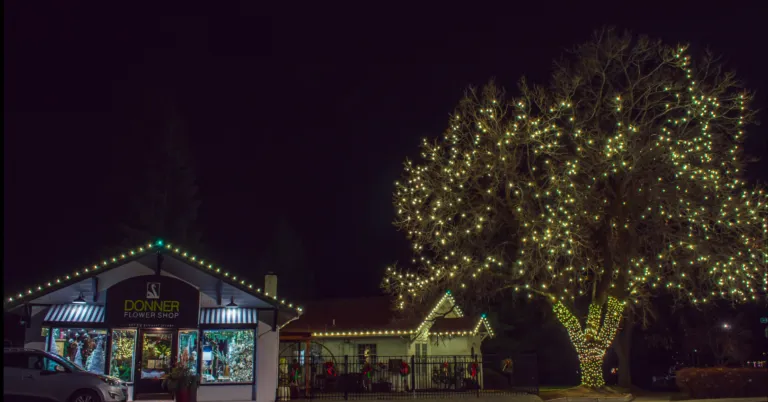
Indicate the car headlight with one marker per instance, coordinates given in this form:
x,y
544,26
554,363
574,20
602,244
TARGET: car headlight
x,y
112,381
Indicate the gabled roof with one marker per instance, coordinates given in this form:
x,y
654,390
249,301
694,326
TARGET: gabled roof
x,y
201,265
460,326
374,316
348,315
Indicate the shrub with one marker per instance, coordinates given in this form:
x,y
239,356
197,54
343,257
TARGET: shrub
x,y
722,382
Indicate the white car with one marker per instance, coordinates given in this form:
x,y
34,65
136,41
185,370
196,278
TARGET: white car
x,y
31,374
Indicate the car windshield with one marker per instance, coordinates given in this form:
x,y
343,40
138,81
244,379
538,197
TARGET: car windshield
x,y
64,362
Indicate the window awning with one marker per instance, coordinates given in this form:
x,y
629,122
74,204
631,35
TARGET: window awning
x,y
75,313
86,313
229,316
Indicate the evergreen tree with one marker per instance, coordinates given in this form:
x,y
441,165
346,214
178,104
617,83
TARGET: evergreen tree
x,y
285,257
167,205
78,360
53,347
96,359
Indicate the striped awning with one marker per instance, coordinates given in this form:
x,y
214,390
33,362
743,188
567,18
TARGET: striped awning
x,y
229,316
75,313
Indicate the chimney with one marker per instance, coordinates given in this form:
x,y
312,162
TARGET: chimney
x,y
270,284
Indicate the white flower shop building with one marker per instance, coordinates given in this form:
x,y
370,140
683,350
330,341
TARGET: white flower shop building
x,y
136,315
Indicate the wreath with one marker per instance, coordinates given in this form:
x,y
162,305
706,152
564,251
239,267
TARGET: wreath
x,y
404,369
295,372
329,369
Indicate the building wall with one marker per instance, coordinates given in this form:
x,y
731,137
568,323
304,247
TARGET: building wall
x,y
33,336
385,346
224,393
393,346
266,363
456,346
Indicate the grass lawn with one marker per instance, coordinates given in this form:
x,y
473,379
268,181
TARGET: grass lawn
x,y
553,392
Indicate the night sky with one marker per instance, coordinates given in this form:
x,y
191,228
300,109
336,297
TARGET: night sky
x,y
304,121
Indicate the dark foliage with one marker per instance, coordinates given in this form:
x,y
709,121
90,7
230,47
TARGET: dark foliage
x,y
722,382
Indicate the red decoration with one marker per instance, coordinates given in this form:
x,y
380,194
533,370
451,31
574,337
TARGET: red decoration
x,y
295,372
329,369
404,369
367,370
473,370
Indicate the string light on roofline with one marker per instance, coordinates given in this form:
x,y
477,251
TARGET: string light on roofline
x,y
447,296
136,252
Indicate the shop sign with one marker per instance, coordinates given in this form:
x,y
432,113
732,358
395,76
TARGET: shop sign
x,y
152,301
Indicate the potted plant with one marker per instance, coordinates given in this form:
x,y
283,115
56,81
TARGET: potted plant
x,y
183,383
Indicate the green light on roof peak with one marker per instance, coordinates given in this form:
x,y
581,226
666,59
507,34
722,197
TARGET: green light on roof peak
x,y
159,242
447,292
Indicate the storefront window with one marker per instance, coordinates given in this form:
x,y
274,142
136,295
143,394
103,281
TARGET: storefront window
x,y
123,347
228,356
188,349
84,347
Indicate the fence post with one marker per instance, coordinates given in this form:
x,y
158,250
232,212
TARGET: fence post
x,y
346,377
310,364
413,374
455,373
478,375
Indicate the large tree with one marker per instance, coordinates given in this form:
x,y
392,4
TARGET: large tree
x,y
166,200
621,178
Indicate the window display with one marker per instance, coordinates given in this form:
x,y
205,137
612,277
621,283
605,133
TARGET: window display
x,y
123,346
228,356
155,354
188,349
84,347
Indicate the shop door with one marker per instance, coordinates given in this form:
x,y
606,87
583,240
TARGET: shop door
x,y
156,353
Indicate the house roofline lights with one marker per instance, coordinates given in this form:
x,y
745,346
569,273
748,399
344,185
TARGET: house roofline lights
x,y
446,296
364,333
136,252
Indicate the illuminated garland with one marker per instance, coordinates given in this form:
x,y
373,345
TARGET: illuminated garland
x,y
121,259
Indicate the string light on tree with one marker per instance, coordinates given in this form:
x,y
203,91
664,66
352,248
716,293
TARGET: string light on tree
x,y
608,185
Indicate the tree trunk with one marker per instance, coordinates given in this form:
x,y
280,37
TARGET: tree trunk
x,y
623,352
591,365
594,339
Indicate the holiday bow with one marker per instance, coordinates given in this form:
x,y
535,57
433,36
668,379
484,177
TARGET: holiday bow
x,y
329,369
404,369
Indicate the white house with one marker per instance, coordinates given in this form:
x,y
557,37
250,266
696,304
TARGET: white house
x,y
365,336
137,314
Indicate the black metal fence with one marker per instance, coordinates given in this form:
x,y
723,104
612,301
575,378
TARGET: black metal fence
x,y
389,377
